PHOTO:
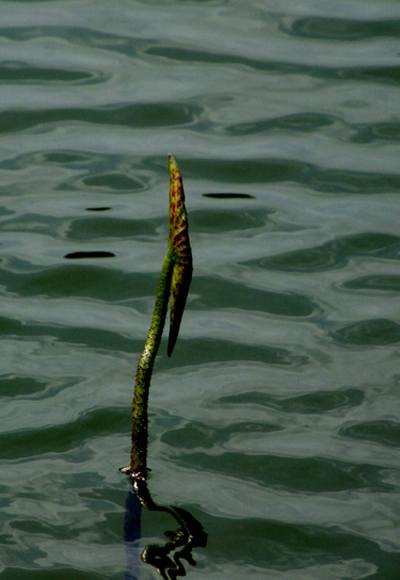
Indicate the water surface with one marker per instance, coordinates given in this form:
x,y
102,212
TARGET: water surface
x,y
276,422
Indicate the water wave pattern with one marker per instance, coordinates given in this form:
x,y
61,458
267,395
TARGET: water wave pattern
x,y
276,422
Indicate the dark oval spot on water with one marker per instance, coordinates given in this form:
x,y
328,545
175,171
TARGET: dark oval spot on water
x,y
97,208
229,195
80,255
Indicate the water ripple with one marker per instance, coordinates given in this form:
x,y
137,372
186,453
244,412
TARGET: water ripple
x,y
276,422
340,28
335,254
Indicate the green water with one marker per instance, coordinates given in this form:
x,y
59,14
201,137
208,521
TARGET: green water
x,y
276,423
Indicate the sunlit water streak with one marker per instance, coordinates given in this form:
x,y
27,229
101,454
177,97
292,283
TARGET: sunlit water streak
x,y
276,421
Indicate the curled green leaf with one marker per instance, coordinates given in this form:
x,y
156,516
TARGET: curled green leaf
x,y
180,251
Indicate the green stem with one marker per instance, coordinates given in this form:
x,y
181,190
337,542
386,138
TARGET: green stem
x,y
138,464
175,278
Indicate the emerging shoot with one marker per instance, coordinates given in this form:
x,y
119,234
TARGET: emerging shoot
x,y
176,275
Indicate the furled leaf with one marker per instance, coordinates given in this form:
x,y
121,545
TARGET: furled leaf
x,y
179,246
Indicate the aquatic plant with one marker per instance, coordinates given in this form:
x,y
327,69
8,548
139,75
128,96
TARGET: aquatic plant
x,y
176,275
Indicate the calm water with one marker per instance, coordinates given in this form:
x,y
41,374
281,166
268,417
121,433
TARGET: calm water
x,y
275,426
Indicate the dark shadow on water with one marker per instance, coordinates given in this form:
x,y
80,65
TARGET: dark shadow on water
x,y
166,558
97,208
229,195
95,254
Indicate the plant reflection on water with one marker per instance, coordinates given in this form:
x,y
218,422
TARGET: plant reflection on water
x,y
166,558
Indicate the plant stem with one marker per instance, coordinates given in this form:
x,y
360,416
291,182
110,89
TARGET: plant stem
x,y
138,464
176,275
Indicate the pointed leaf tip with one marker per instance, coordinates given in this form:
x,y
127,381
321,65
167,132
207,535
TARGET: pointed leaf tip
x,y
181,252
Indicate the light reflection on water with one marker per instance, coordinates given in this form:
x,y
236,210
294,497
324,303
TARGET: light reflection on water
x,y
276,422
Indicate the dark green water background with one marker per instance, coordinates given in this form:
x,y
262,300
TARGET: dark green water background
x,y
276,423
